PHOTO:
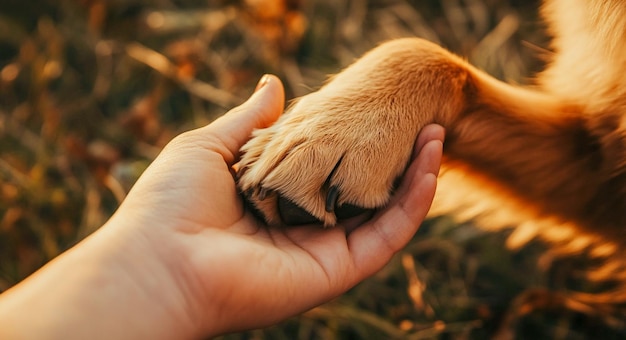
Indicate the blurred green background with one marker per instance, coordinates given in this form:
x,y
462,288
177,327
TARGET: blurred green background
x,y
91,90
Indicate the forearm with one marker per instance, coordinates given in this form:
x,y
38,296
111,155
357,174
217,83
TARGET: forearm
x,y
87,294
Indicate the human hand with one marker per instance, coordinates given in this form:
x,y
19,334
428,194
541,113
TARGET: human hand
x,y
203,265
245,274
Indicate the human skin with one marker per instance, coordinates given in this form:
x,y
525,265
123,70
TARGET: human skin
x,y
182,258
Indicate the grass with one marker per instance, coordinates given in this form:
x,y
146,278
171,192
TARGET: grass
x,y
91,90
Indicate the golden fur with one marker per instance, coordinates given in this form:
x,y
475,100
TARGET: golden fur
x,y
549,160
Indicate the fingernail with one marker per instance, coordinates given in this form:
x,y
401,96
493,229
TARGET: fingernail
x,y
264,80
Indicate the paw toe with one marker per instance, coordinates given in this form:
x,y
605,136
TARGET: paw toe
x,y
293,214
349,210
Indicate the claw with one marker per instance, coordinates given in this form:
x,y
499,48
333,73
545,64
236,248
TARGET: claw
x,y
345,210
331,198
262,194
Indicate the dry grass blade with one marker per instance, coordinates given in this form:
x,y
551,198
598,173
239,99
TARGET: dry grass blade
x,y
354,315
416,287
162,64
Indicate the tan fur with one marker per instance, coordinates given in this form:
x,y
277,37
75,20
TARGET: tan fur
x,y
549,159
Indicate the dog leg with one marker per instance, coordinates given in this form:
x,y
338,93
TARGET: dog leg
x,y
346,144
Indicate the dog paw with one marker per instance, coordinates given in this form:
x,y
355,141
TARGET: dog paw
x,y
326,159
338,151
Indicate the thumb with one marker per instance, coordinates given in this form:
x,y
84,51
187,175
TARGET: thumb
x,y
235,127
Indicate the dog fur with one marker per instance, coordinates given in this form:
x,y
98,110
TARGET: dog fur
x,y
548,160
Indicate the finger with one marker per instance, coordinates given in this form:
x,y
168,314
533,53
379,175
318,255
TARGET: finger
x,y
373,244
428,133
235,127
427,164
428,161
